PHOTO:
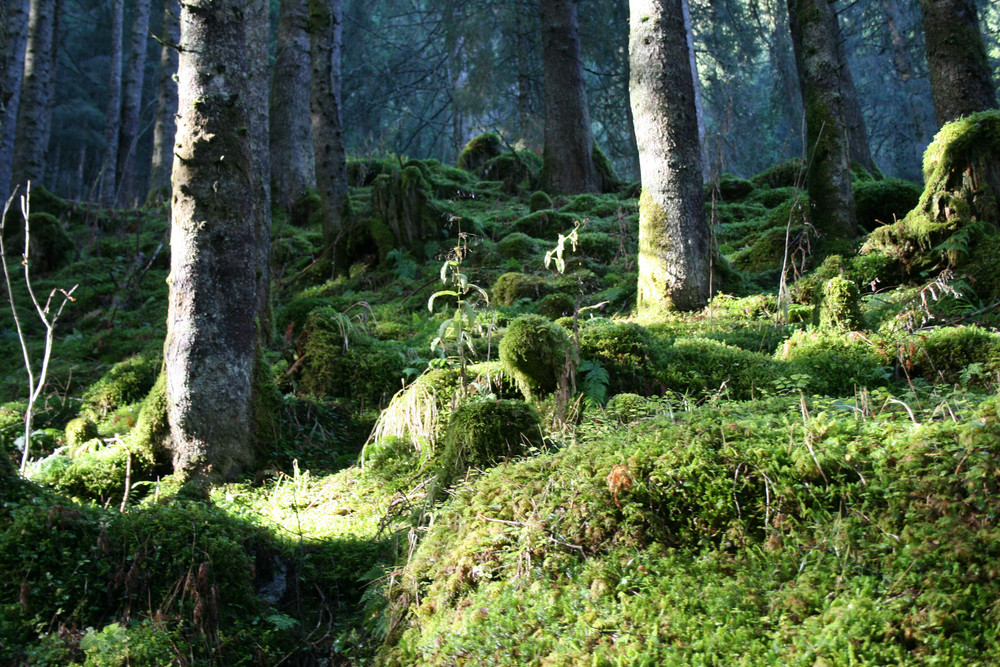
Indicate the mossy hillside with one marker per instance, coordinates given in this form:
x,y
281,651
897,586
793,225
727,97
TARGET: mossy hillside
x,y
612,535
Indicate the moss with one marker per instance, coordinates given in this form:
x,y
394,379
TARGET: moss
x,y
969,355
959,205
544,224
517,245
126,382
479,150
539,201
627,408
729,188
517,171
511,287
593,206
554,306
839,308
97,476
307,210
484,433
774,197
362,172
606,176
150,437
884,201
78,431
832,363
536,352
787,174
51,246
629,352
406,213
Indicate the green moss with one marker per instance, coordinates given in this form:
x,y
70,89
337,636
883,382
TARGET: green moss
x,y
536,352
544,224
729,188
517,171
787,174
78,431
150,437
884,201
511,287
126,382
609,180
627,408
517,245
832,363
774,197
484,433
629,352
556,305
51,246
479,151
969,355
539,201
839,308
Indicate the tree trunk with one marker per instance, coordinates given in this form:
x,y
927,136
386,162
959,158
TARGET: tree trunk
x,y
131,102
17,39
166,104
814,33
960,73
292,153
30,141
674,247
326,23
523,54
112,119
220,211
568,163
859,150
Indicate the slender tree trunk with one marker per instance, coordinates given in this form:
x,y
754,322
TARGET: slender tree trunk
x,y
166,104
674,246
524,111
292,153
30,141
131,101
112,119
814,32
961,81
858,147
220,209
17,39
568,163
326,20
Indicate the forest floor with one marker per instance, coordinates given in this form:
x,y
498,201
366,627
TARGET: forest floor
x,y
805,480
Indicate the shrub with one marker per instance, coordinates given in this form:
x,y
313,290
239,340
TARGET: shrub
x,y
535,351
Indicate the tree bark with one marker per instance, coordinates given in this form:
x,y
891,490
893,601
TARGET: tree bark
x,y
131,101
674,246
30,141
961,82
859,150
326,24
17,39
166,104
828,178
292,154
568,163
112,119
220,211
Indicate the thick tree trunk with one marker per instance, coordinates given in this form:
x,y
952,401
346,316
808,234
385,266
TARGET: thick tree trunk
x,y
568,163
859,150
30,141
292,154
326,41
523,53
814,33
17,39
166,104
674,245
220,210
960,73
112,119
131,101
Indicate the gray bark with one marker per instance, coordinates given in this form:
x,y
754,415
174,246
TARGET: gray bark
x,y
131,101
112,119
674,246
30,141
814,30
328,136
17,39
292,154
568,164
220,210
166,104
960,73
859,150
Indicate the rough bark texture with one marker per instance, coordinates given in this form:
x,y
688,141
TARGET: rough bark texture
x,y
814,31
17,38
960,73
325,30
568,163
131,101
858,148
30,140
674,247
220,208
166,104
292,156
112,118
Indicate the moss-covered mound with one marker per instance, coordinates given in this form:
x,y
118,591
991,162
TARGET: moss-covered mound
x,y
537,353
957,219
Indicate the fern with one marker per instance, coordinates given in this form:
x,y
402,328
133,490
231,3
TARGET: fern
x,y
594,380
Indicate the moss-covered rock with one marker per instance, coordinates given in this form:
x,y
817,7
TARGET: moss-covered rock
x,y
882,202
484,433
606,175
536,352
512,286
627,407
544,224
79,431
539,201
517,246
126,382
51,247
516,170
832,363
787,174
839,308
480,150
729,188
406,213
969,355
556,305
